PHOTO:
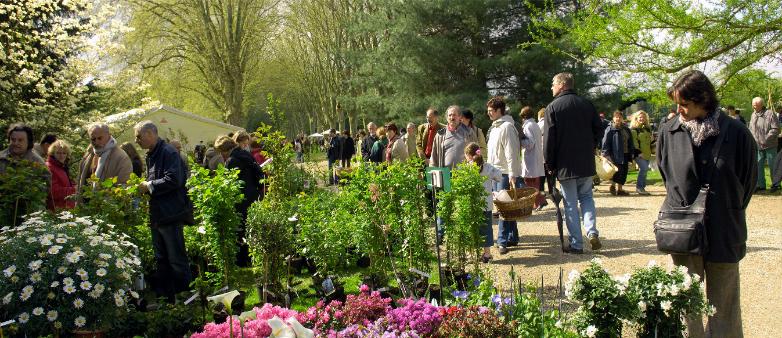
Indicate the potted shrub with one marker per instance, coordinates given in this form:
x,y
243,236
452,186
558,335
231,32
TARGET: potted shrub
x,y
65,274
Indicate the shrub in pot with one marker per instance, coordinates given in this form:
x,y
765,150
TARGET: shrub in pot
x,y
65,273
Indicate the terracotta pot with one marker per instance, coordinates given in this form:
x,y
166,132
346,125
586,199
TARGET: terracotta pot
x,y
88,334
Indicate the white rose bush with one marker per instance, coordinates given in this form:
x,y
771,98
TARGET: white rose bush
x,y
63,273
653,300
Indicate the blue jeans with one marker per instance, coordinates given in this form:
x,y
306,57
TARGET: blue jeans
x,y
766,155
508,231
173,268
575,192
643,169
488,237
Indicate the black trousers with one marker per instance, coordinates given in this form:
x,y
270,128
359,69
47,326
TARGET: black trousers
x,y
173,268
620,177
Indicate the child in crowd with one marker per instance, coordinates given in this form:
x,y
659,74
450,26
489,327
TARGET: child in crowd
x,y
472,153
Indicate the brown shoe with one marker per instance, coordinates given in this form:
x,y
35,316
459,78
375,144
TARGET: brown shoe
x,y
622,193
595,242
612,190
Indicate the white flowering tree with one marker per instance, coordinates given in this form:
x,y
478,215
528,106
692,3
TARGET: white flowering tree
x,y
51,60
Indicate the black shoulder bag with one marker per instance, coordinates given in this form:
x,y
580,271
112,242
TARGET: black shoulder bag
x,y
682,230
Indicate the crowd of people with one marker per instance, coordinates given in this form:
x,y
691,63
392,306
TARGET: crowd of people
x,y
562,143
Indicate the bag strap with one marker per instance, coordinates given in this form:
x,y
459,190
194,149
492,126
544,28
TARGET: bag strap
x,y
716,149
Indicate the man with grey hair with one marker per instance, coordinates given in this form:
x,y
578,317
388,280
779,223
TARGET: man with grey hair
x,y
169,210
764,126
409,140
104,158
449,142
571,132
369,141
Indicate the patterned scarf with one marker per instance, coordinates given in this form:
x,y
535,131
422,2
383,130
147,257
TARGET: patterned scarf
x,y
702,129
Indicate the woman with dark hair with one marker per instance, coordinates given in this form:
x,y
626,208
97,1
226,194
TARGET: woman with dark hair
x,y
250,174
691,160
467,120
135,158
396,149
618,148
348,148
62,186
20,147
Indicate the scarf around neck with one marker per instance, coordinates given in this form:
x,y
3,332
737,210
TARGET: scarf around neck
x,y
702,129
102,153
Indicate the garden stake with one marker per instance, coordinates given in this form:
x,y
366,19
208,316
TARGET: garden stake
x,y
437,243
559,293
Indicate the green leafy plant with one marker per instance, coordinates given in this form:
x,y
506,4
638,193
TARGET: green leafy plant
x,y
65,273
462,214
604,301
284,179
23,189
214,196
123,206
323,237
664,298
270,238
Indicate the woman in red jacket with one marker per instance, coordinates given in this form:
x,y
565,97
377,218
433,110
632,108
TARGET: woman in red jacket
x,y
62,185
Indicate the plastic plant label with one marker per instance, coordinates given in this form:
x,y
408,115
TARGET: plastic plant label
x,y
192,298
423,274
7,322
383,289
328,286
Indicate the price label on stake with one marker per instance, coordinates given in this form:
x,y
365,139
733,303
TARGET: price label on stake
x,y
423,274
225,288
382,290
7,322
192,298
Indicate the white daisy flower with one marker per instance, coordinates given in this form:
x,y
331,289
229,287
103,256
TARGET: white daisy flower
x,y
38,311
9,271
62,270
24,317
55,249
55,284
82,273
642,306
35,277
119,301
105,256
68,281
31,240
51,295
51,315
85,285
7,298
65,215
61,240
35,265
666,306
99,287
80,321
69,289
101,272
78,303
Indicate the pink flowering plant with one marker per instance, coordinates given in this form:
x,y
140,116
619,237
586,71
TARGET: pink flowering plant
x,y
258,327
413,315
361,310
64,273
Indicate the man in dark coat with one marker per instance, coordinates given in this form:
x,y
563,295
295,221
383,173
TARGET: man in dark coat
x,y
686,158
169,210
571,133
369,141
334,153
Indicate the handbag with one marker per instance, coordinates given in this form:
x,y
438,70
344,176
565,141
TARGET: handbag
x,y
605,168
682,230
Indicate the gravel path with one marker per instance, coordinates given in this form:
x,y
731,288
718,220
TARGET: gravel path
x,y
625,225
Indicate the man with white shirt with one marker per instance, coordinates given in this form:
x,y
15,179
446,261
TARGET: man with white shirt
x,y
504,153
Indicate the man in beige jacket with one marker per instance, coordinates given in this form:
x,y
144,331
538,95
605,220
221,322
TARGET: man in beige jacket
x,y
104,158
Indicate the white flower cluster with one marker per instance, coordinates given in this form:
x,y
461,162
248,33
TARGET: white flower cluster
x,y
57,278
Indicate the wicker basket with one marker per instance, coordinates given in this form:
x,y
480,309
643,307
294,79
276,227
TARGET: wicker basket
x,y
521,206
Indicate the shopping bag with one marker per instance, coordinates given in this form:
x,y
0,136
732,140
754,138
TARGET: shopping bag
x,y
605,169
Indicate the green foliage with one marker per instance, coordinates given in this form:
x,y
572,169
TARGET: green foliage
x,y
124,207
23,189
323,234
167,321
214,197
663,298
285,180
462,214
652,40
270,239
604,301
